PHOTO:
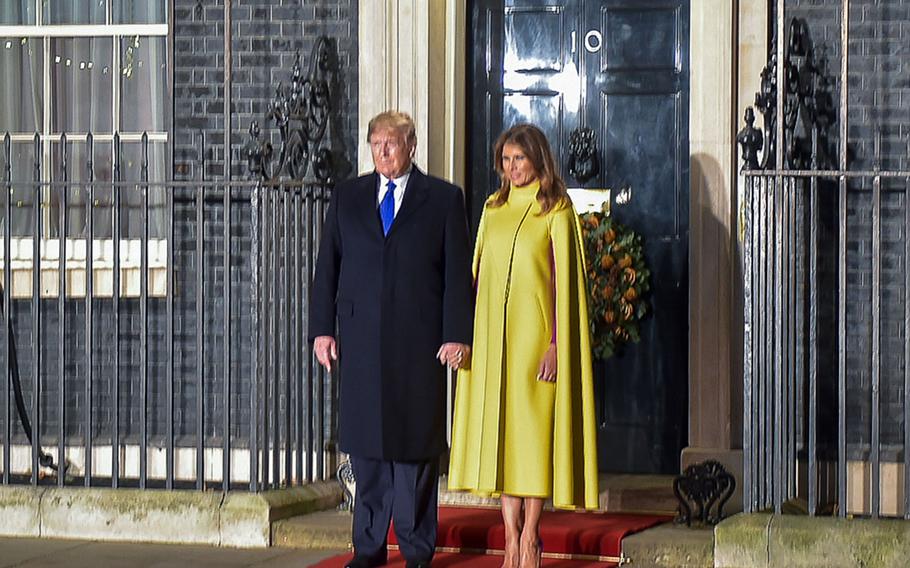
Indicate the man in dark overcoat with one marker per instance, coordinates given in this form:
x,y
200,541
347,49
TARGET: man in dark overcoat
x,y
394,272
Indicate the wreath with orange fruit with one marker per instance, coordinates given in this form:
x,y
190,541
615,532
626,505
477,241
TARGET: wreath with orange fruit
x,y
618,280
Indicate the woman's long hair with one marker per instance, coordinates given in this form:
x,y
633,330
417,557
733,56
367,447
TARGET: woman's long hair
x,y
532,141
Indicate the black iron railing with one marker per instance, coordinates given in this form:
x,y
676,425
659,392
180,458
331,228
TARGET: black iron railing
x,y
818,272
155,331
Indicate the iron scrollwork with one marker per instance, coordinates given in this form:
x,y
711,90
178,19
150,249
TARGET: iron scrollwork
x,y
808,108
345,476
301,112
583,161
707,486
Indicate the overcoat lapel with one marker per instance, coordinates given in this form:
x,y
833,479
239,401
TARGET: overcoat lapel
x,y
367,209
414,196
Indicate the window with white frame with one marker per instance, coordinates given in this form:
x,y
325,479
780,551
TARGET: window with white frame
x,y
80,67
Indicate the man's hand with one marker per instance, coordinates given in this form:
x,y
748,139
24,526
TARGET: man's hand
x,y
455,355
326,351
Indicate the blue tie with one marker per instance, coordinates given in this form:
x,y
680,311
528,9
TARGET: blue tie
x,y
387,208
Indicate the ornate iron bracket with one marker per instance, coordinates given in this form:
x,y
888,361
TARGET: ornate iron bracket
x,y
583,160
704,485
809,108
345,475
301,112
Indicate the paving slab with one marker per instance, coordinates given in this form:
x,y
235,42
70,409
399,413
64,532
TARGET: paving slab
x,y
52,553
18,551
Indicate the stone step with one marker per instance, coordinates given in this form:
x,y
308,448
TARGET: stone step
x,y
634,493
618,494
670,546
324,530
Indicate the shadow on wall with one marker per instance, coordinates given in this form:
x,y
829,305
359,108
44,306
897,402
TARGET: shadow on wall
x,y
716,297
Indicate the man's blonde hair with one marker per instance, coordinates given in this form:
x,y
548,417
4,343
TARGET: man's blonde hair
x,y
400,121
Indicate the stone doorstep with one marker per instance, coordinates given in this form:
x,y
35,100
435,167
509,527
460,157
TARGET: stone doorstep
x,y
664,546
800,541
238,519
619,493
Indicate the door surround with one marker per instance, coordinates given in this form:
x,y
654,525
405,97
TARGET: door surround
x,y
415,64
727,50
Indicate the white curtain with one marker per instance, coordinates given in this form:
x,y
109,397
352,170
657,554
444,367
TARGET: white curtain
x,y
75,11
21,104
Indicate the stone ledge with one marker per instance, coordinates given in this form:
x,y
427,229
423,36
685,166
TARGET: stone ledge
x,y
237,519
325,530
801,541
670,546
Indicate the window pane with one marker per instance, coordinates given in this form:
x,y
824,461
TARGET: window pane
x,y
21,91
77,170
131,198
143,84
81,85
22,196
15,12
139,12
103,168
75,11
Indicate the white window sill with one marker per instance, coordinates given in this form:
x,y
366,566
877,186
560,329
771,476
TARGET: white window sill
x,y
22,267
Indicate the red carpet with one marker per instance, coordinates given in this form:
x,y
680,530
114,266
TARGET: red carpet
x,y
569,539
445,559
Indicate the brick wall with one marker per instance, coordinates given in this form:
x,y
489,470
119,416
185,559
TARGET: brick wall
x,y
878,108
266,36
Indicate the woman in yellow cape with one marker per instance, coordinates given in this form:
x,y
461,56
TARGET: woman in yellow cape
x,y
524,425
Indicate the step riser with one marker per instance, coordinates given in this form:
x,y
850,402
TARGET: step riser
x,y
651,494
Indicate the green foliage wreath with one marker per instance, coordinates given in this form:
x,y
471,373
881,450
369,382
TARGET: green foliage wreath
x,y
618,280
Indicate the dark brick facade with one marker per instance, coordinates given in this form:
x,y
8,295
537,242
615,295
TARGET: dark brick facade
x,y
265,36
878,108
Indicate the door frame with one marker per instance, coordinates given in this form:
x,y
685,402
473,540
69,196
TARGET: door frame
x,y
727,49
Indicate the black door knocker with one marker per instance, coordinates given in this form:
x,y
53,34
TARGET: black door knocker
x,y
583,163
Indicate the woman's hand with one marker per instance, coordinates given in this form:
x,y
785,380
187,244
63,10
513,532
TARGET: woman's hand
x,y
547,370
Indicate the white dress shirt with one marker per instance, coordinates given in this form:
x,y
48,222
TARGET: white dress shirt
x,y
401,184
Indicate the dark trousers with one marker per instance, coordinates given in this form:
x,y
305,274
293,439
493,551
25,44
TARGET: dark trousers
x,y
404,492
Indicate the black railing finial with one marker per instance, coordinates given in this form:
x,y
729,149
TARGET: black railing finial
x,y
37,170
117,156
751,141
8,154
64,157
258,152
90,157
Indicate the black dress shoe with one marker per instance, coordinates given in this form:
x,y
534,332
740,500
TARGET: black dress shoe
x,y
359,562
417,564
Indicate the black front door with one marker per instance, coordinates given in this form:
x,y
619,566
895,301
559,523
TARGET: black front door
x,y
621,68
